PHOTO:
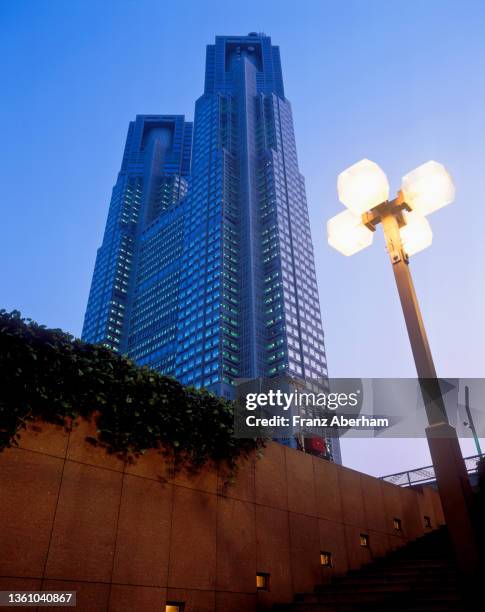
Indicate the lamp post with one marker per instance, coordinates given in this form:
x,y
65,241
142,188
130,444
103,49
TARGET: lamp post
x,y
364,190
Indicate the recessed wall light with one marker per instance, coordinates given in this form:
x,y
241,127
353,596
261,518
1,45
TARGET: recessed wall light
x,y
174,606
262,581
326,559
364,540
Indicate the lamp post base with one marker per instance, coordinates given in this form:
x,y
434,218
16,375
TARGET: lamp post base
x,y
456,494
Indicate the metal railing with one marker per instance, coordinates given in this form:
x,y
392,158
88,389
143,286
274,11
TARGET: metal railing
x,y
426,474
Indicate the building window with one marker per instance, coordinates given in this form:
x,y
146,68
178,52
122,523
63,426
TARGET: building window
x,y
397,524
364,540
262,581
427,522
326,559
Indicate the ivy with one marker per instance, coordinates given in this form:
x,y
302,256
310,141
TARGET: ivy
x,y
48,375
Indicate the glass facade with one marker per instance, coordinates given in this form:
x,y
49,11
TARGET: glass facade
x,y
132,306
206,271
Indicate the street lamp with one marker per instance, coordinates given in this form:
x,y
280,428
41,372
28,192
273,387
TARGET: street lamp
x,y
364,190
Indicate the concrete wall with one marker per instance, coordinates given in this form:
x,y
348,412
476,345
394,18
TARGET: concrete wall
x,y
129,537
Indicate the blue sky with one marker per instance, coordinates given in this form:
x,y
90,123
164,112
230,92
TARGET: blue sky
x,y
399,82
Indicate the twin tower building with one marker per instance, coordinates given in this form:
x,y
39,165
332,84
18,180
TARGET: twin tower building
x,y
206,270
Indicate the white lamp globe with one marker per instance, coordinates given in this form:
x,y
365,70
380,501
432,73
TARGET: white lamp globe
x,y
362,186
428,188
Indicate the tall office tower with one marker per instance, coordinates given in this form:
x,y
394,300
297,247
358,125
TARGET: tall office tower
x,y
218,274
132,306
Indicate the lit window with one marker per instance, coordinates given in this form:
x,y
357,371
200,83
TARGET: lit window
x,y
427,522
397,524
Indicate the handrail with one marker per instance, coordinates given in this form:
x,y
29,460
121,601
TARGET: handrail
x,y
426,474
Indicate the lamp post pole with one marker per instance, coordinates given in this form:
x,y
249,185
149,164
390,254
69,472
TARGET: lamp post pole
x,y
451,476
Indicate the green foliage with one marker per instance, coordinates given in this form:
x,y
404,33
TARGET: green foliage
x,y
47,374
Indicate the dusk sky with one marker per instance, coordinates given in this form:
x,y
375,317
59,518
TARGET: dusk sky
x,y
398,82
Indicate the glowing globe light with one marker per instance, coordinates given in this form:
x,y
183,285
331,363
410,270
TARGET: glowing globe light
x,y
347,234
416,235
428,188
362,186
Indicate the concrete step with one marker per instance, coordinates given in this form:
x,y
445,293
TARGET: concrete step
x,y
387,607
373,607
424,561
378,579
380,596
386,588
392,574
391,586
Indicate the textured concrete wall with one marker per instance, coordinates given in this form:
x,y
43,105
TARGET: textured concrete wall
x,y
129,537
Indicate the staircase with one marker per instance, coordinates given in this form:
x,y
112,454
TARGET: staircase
x,y
420,577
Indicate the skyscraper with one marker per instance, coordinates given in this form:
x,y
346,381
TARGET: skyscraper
x,y
132,306
206,271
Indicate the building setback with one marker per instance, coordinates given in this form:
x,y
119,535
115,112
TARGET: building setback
x,y
206,271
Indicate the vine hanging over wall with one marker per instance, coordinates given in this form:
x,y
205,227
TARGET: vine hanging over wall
x,y
48,375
